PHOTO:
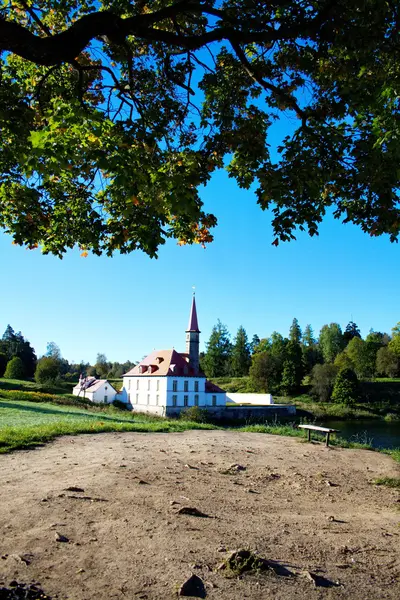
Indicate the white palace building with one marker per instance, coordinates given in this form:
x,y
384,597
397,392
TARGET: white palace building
x,y
167,381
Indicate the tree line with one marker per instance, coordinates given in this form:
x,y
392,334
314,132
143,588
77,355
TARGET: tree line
x,y
18,360
282,365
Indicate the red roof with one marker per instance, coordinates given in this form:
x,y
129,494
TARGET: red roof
x,y
193,324
164,362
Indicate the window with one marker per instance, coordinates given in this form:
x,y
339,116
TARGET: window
x,y
157,399
185,400
137,384
137,398
106,388
196,386
148,384
174,386
148,398
158,385
174,400
129,384
186,386
105,398
214,400
196,399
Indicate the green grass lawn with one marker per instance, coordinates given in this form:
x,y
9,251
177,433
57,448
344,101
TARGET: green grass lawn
x,y
24,424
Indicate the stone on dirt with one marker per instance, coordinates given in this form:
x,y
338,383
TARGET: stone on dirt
x,y
193,587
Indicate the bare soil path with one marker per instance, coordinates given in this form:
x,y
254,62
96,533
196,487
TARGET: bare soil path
x,y
311,509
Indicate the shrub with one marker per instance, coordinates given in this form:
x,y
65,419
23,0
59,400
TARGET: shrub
x,y
322,381
120,405
15,369
3,363
47,370
345,390
195,414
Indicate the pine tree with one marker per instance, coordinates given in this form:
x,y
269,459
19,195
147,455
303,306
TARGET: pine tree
x,y
345,390
240,359
254,343
289,379
295,332
351,332
217,358
308,338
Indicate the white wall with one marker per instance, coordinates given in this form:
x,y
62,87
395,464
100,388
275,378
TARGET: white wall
x,y
260,399
105,390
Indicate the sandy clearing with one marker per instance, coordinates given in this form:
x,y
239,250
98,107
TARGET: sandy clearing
x,y
126,539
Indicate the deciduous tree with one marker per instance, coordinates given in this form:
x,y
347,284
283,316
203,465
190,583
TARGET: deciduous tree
x,y
331,341
387,362
115,113
322,381
15,369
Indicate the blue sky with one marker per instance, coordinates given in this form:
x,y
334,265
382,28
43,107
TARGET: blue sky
x,y
126,306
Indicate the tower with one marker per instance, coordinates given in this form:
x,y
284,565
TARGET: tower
x,y
193,338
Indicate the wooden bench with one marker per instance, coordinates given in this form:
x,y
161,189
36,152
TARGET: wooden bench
x,y
326,430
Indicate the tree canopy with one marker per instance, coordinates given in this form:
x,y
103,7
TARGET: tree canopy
x,y
114,113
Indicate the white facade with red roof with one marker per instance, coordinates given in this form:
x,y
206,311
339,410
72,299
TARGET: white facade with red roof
x,y
167,381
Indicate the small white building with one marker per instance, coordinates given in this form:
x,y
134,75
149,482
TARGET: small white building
x,y
167,381
96,390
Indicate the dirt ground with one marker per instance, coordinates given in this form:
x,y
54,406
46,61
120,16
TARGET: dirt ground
x,y
310,509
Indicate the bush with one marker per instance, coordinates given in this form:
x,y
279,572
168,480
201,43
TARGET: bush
x,y
195,414
322,381
47,370
120,405
15,369
345,390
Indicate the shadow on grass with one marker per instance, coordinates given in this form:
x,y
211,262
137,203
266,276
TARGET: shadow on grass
x,y
39,409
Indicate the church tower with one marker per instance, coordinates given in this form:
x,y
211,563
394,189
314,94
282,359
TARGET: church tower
x,y
193,338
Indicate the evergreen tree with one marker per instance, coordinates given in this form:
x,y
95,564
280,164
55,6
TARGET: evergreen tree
x,y
308,338
310,350
331,341
293,359
14,344
351,332
218,354
345,390
15,369
254,343
295,332
289,379
240,358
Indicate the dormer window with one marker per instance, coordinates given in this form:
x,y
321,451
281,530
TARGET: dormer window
x,y
159,360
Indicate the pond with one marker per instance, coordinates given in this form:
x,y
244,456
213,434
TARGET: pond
x,y
380,434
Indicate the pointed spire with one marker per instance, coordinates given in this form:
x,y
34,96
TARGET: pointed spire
x,y
193,324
